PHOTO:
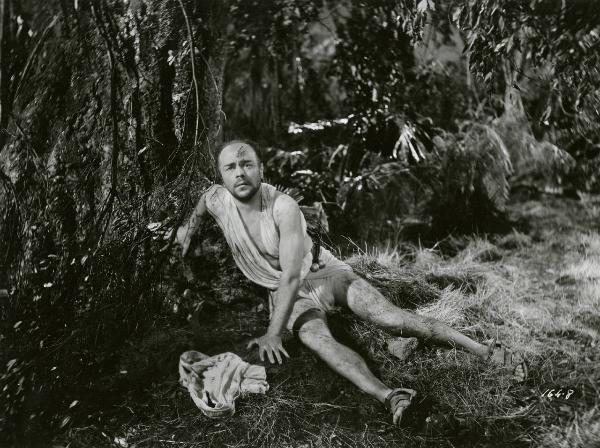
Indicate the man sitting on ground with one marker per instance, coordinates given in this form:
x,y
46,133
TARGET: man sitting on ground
x,y
266,232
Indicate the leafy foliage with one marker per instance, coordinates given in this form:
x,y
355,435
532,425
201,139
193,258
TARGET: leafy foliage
x,y
550,44
110,112
473,184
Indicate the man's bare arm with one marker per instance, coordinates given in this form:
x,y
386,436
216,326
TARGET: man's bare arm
x,y
291,248
186,231
291,245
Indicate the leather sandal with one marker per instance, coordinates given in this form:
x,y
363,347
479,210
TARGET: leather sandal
x,y
507,359
397,401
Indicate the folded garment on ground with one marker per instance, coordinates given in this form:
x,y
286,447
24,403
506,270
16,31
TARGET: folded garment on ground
x,y
215,382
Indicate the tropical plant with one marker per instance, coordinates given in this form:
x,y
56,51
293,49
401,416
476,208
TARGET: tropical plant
x,y
552,45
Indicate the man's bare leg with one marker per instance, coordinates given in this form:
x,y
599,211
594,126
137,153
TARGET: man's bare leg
x,y
369,304
315,334
310,326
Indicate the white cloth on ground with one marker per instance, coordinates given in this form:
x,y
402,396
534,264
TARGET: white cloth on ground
x,y
215,382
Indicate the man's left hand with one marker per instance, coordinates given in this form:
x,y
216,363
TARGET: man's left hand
x,y
271,345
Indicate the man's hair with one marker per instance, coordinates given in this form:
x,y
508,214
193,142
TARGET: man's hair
x,y
252,144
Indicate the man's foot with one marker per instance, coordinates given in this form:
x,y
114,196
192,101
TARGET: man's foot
x,y
504,357
397,401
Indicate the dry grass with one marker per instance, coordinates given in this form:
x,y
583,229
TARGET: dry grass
x,y
587,269
582,431
504,288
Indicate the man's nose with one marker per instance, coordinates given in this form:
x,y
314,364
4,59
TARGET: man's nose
x,y
239,171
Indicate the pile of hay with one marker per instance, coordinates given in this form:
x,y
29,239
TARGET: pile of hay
x,y
429,285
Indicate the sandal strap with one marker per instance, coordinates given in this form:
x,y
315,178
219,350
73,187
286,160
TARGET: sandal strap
x,y
507,354
492,348
401,394
508,357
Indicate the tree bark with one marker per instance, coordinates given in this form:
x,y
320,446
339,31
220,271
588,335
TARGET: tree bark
x,y
4,107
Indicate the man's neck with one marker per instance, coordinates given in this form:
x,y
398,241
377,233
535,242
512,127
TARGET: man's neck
x,y
253,204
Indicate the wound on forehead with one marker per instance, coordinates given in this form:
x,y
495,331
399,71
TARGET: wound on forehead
x,y
242,150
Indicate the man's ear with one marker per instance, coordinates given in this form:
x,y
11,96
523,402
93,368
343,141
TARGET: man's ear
x,y
262,168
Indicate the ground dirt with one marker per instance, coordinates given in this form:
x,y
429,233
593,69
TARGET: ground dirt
x,y
539,293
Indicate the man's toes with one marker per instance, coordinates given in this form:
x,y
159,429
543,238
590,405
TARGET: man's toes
x,y
503,356
397,416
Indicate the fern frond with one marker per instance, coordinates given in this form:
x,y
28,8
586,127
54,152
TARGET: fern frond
x,y
491,162
503,151
557,159
293,192
494,180
530,157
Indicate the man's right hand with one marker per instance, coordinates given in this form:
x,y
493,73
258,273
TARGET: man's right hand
x,y
184,233
183,236
271,345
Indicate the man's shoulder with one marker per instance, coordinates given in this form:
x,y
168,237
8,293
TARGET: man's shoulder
x,y
286,209
284,203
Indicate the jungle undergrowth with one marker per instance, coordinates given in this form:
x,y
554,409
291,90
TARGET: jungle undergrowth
x,y
535,293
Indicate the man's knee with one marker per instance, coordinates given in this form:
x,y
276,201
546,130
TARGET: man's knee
x,y
424,327
435,328
311,328
369,304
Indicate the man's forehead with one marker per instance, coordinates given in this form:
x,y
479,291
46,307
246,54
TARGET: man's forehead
x,y
237,150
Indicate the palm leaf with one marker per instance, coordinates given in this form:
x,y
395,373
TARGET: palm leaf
x,y
492,164
293,192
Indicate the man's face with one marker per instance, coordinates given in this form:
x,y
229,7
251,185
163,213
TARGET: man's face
x,y
241,170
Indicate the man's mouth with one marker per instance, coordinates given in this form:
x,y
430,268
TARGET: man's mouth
x,y
241,184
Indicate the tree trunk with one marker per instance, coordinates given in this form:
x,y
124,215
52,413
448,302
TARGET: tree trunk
x,y
4,106
212,49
